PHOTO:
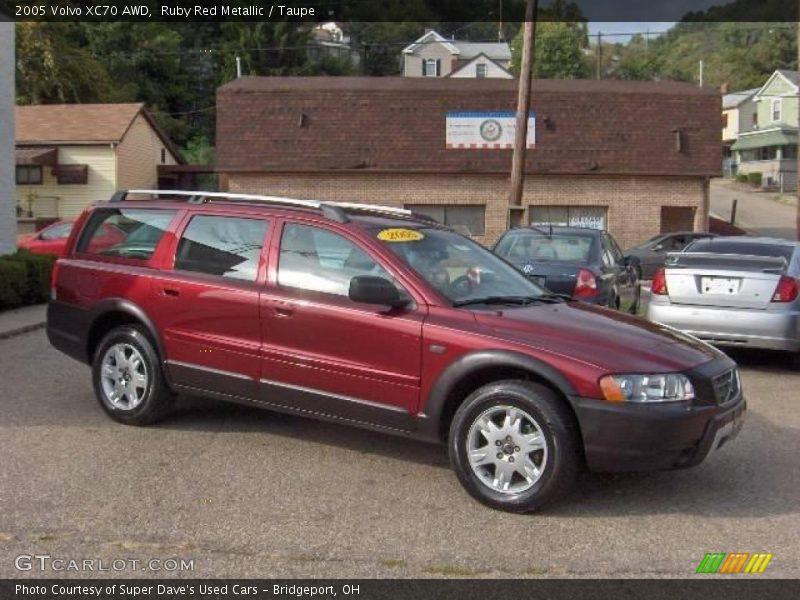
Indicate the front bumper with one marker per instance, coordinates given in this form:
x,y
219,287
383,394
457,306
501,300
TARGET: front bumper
x,y
767,329
628,436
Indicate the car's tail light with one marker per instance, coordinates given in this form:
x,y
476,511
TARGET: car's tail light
x,y
787,290
53,280
659,284
586,285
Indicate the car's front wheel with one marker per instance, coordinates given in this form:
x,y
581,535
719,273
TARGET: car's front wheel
x,y
127,378
514,446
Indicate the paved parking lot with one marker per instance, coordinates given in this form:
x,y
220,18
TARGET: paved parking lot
x,y
252,493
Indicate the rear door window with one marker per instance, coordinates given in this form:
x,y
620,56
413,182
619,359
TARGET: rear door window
x,y
222,246
125,233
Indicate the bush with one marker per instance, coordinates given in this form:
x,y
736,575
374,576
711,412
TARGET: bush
x,y
741,178
13,284
24,279
754,179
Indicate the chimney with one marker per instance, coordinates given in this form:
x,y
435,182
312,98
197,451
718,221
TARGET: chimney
x,y
725,88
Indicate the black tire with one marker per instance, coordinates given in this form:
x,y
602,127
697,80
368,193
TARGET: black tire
x,y
557,424
156,399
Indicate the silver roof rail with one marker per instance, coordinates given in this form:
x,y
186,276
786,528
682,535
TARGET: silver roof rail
x,y
332,210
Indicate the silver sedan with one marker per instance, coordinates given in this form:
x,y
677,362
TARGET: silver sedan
x,y
732,291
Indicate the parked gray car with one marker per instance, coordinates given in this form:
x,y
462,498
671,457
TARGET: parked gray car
x,y
732,291
652,253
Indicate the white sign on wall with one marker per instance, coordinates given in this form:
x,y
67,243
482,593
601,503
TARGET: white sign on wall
x,y
482,130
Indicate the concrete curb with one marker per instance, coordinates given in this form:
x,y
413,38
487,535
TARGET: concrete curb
x,y
4,335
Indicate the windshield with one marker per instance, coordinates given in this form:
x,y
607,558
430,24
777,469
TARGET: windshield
x,y
459,268
559,247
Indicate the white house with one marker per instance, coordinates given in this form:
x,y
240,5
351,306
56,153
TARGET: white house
x,y
432,55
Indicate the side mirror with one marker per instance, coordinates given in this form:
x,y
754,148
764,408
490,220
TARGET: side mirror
x,y
375,290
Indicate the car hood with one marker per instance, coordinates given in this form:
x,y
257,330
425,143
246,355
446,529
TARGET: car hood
x,y
614,341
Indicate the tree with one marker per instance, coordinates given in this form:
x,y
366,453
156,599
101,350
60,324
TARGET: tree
x,y
560,50
51,68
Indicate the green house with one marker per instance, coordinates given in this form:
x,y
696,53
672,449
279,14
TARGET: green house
x,y
770,147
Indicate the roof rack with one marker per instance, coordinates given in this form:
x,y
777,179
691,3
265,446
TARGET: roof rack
x,y
331,210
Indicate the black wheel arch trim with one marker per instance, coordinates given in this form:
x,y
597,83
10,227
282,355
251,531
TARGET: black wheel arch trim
x,y
109,305
431,413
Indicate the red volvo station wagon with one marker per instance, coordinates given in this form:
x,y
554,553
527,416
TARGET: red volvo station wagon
x,y
381,318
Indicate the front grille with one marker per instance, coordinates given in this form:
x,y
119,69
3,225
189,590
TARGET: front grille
x,y
726,386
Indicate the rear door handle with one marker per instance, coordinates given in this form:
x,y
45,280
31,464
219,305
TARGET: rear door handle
x,y
170,292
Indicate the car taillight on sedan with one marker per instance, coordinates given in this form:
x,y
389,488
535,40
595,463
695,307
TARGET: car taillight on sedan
x,y
586,285
787,290
659,284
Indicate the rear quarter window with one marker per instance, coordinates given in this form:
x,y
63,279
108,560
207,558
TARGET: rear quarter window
x,y
124,233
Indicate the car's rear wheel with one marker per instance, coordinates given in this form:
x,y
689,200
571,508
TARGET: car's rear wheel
x,y
127,378
514,446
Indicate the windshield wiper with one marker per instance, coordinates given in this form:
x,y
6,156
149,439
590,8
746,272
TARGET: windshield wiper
x,y
513,300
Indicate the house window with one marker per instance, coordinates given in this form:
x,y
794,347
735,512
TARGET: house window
x,y
591,217
467,219
755,119
767,153
725,121
163,156
776,109
431,67
29,175
480,71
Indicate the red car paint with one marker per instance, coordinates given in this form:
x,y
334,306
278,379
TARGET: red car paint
x,y
53,238
253,334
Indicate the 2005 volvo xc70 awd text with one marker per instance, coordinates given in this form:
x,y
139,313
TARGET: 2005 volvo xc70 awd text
x,y
381,318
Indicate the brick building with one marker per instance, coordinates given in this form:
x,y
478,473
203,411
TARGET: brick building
x,y
632,157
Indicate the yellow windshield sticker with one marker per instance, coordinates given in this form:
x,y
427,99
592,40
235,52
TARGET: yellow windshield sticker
x,y
400,235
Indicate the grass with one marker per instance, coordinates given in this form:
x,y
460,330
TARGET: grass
x,y
393,563
536,570
449,571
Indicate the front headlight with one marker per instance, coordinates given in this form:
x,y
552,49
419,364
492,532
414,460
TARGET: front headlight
x,y
671,387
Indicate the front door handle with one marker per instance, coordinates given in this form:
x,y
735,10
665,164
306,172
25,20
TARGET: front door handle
x,y
283,309
170,292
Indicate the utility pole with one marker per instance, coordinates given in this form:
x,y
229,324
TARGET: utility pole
x,y
599,54
523,106
797,175
701,72
500,24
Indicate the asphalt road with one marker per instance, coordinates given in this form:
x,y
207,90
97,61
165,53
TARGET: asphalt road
x,y
757,212
251,493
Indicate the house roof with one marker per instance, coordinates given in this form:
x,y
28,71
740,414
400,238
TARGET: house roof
x,y
792,77
465,50
396,124
427,38
734,99
53,124
473,61
493,50
764,139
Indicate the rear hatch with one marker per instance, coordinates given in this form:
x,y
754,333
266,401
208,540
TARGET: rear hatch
x,y
723,280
